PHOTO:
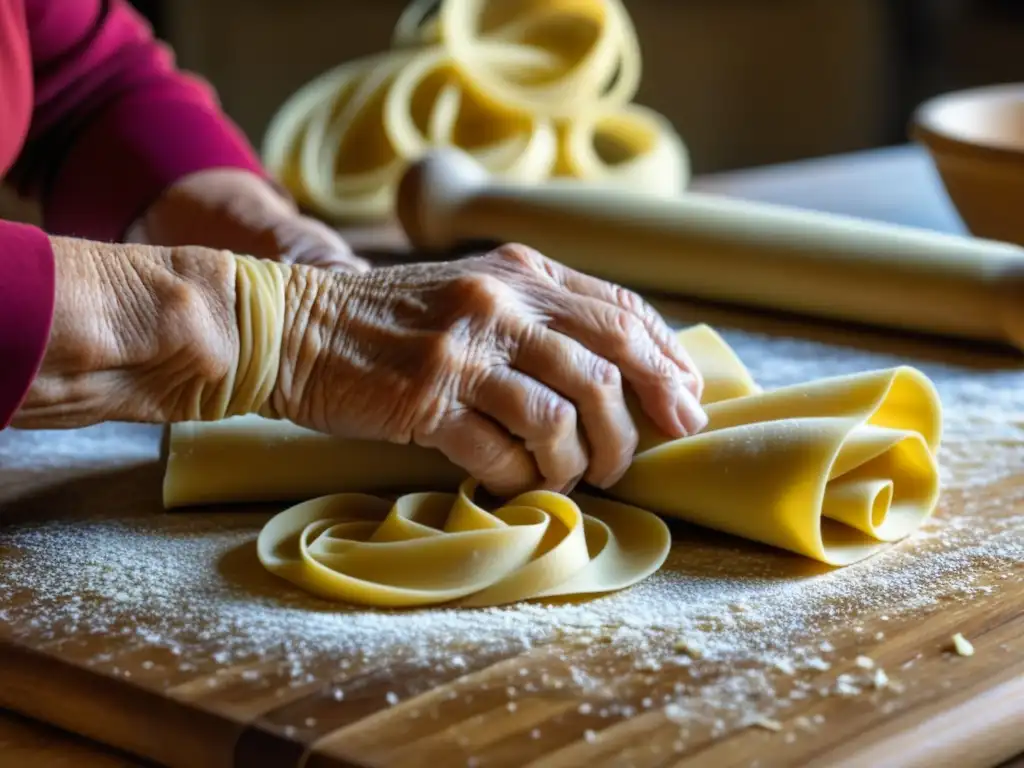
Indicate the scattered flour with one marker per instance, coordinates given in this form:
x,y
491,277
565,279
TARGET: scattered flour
x,y
182,593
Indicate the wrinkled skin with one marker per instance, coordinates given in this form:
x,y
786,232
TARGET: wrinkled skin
x,y
509,363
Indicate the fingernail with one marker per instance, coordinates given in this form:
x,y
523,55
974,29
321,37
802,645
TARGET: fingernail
x,y
691,415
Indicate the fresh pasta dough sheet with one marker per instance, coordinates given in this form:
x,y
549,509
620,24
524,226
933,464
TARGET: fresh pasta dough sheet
x,y
835,470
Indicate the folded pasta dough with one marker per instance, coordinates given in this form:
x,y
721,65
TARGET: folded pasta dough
x,y
430,548
833,469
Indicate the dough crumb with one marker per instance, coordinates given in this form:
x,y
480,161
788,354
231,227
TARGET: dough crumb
x,y
819,664
880,679
785,666
590,736
962,645
767,723
846,686
685,646
392,698
864,662
675,713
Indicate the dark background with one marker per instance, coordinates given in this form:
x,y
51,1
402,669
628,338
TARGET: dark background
x,y
746,82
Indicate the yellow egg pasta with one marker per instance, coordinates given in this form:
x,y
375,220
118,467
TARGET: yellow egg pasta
x,y
835,470
531,89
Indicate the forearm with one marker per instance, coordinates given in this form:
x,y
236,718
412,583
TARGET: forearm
x,y
139,333
110,105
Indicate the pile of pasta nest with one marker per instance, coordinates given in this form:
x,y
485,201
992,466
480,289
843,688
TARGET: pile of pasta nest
x,y
531,89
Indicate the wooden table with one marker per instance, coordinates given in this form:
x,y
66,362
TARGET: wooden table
x,y
894,185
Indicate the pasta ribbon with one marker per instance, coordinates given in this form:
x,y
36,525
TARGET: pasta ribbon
x,y
836,470
531,89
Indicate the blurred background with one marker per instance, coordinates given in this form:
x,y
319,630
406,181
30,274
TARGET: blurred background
x,y
746,82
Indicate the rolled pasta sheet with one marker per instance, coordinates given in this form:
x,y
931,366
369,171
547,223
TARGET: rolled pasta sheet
x,y
835,469
252,459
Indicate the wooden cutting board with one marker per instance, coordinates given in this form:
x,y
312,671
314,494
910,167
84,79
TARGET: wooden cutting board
x,y
157,634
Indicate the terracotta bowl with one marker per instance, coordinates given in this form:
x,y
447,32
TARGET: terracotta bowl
x,y
976,139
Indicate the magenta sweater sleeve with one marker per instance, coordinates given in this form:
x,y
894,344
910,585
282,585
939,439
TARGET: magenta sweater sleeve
x,y
114,122
26,310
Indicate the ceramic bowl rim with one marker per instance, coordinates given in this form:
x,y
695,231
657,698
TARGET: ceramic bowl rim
x,y
924,127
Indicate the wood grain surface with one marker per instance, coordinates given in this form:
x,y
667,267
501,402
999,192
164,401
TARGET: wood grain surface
x,y
25,742
499,705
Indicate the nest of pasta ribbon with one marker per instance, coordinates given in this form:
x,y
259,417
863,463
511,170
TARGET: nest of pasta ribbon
x,y
531,89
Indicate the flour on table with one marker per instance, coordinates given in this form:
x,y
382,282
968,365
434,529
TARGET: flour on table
x,y
183,592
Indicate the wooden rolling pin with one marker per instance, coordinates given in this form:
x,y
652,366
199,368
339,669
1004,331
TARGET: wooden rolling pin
x,y
721,249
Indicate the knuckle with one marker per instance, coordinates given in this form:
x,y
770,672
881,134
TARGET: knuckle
x,y
626,328
501,470
442,353
518,256
553,413
493,460
480,292
604,376
629,300
661,369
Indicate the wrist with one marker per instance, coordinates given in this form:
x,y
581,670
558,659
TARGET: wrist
x,y
136,332
259,313
316,303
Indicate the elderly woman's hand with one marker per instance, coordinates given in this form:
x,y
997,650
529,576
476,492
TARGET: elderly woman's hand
x,y
510,364
241,212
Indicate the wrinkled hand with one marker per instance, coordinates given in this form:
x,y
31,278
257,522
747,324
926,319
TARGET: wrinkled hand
x,y
237,211
510,364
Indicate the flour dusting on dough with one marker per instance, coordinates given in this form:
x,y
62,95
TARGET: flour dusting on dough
x,y
726,634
